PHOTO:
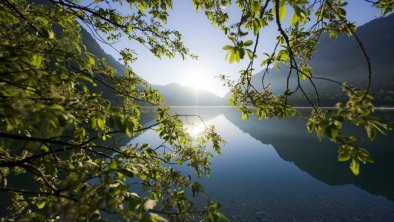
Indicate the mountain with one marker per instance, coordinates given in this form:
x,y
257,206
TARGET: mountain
x,y
174,94
177,95
93,47
341,59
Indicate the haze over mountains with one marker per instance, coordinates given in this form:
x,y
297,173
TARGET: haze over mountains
x,y
176,95
339,59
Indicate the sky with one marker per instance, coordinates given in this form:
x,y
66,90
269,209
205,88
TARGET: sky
x,y
206,41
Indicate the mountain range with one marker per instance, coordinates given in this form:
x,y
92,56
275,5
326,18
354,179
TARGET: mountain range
x,y
176,95
340,59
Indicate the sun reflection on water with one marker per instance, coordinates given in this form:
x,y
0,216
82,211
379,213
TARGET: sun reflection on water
x,y
195,129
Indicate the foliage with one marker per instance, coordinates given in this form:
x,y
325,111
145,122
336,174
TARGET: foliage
x,y
59,133
307,22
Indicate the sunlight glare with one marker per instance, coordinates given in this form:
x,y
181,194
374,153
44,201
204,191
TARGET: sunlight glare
x,y
194,129
200,79
197,79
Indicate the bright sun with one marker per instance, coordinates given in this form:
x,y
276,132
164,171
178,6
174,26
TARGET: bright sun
x,y
198,80
201,76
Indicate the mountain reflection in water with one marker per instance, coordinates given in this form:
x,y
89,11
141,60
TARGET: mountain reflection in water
x,y
273,170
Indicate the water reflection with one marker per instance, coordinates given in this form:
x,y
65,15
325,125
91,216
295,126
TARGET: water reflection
x,y
275,171
196,126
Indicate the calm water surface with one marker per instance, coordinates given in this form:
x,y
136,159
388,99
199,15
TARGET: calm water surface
x,y
273,170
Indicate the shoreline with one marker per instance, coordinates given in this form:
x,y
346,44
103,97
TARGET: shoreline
x,y
382,108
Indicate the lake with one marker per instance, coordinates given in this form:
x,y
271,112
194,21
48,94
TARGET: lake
x,y
274,170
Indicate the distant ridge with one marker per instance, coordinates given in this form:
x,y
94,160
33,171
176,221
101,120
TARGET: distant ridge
x,y
174,94
178,95
338,59
341,59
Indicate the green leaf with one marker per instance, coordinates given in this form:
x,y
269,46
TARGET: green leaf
x,y
322,11
341,13
141,6
332,132
77,47
343,156
129,131
294,19
41,205
182,140
232,57
227,47
44,148
90,57
355,167
282,11
284,55
371,132
100,123
113,165
93,123
248,43
256,27
157,218
36,60
56,107
227,56
302,76
43,20
142,176
240,54
250,54
231,102
71,166
49,33
333,34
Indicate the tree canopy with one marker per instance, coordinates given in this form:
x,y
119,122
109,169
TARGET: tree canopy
x,y
59,132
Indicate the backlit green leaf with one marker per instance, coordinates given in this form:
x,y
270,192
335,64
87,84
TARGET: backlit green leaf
x,y
294,19
343,156
282,11
113,165
355,167
41,204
